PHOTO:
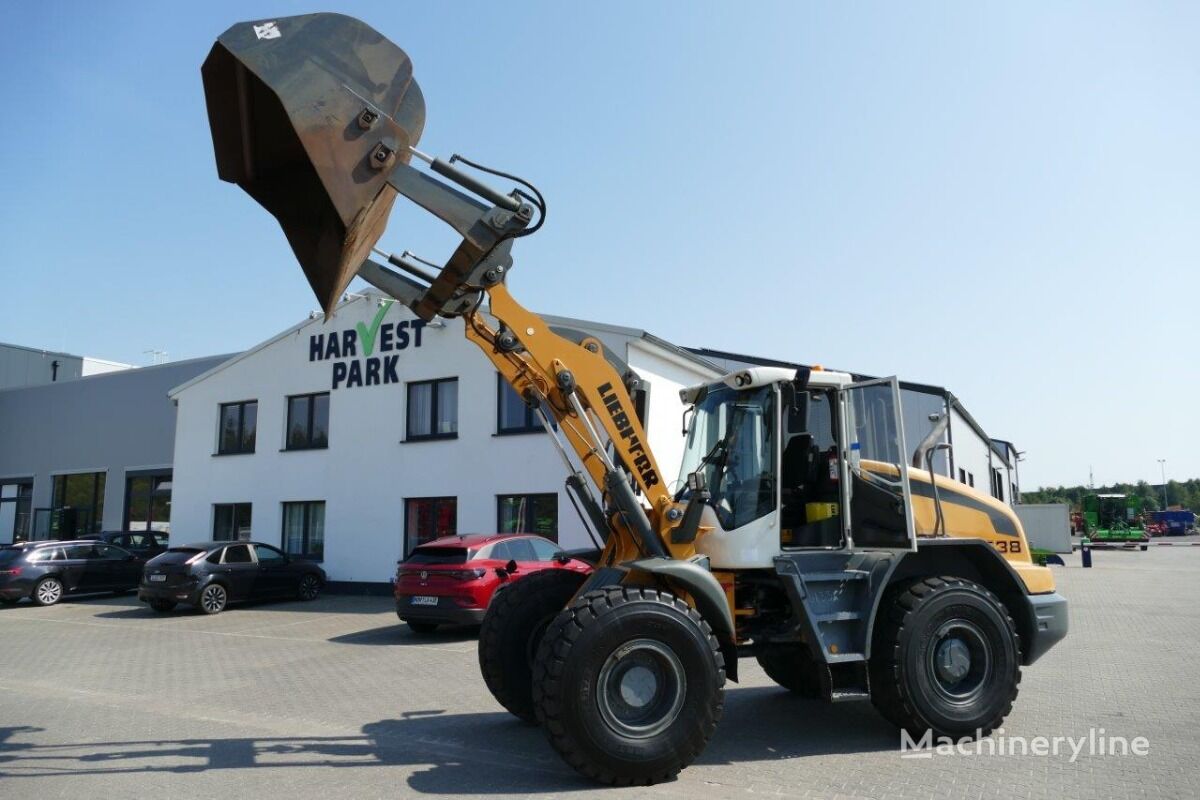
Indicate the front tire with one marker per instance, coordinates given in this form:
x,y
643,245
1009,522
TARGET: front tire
x,y
629,684
48,591
213,599
162,606
421,628
946,658
512,630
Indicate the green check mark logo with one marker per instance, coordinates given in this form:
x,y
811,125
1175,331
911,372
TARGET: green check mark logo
x,y
367,335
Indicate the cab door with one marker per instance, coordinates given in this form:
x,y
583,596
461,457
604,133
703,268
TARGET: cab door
x,y
875,486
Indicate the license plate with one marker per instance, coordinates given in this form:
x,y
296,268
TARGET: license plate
x,y
424,601
157,578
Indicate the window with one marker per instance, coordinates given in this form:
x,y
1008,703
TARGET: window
x,y
544,550
513,550
308,421
111,553
148,502
971,479
304,529
15,511
433,409
239,422
528,513
513,415
429,518
268,555
237,554
962,475
78,505
231,522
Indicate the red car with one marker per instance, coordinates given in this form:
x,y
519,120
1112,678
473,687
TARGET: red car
x,y
450,581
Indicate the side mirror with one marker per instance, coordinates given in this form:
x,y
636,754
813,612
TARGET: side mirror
x,y
562,558
511,566
502,572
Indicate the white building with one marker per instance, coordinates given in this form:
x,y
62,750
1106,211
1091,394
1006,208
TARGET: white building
x,y
352,440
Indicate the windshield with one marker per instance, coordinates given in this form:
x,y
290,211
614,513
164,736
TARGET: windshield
x,y
731,441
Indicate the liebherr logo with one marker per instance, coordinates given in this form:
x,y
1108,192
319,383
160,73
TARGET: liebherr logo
x,y
641,460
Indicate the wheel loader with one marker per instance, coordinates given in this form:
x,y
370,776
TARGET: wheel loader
x,y
800,531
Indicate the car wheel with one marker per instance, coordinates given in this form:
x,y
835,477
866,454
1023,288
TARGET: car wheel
x,y
162,606
946,658
628,685
9,601
792,667
421,628
213,599
310,587
513,628
48,591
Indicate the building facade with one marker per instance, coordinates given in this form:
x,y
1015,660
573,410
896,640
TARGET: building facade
x,y
352,440
90,454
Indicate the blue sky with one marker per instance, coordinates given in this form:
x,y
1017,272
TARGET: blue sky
x,y
999,198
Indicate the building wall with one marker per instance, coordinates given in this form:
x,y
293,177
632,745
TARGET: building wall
x,y
107,423
25,366
369,470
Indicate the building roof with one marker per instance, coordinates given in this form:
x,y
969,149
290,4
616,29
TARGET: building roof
x,y
373,296
87,380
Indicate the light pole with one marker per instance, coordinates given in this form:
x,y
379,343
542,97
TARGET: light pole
x,y
1162,466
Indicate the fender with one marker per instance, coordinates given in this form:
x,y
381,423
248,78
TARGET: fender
x,y
706,593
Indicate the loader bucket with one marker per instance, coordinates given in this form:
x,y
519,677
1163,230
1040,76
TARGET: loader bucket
x,y
309,115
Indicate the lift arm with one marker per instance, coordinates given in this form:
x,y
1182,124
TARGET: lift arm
x,y
317,117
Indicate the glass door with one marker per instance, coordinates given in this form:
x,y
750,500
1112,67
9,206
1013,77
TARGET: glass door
x,y
877,490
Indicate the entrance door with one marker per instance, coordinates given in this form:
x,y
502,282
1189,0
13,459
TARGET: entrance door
x,y
877,492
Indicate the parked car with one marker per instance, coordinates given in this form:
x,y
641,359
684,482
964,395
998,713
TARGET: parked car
x,y
47,571
451,581
211,575
146,544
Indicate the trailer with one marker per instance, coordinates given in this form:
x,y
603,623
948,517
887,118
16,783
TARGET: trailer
x,y
1177,522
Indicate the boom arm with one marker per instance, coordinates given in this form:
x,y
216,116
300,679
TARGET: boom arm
x,y
317,117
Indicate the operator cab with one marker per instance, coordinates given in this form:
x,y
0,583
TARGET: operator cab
x,y
783,454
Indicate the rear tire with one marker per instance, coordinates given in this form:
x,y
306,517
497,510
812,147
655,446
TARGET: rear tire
x,y
421,628
213,599
9,601
628,685
162,606
48,591
946,658
512,631
792,667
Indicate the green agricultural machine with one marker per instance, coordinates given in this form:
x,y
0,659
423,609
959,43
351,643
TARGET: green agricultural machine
x,y
1114,519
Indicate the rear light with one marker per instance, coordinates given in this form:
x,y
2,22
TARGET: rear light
x,y
467,574
12,573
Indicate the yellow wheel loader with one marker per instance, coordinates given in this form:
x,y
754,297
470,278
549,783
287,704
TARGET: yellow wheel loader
x,y
803,533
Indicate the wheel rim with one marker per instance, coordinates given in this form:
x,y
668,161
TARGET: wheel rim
x,y
308,588
960,661
49,592
213,598
641,688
